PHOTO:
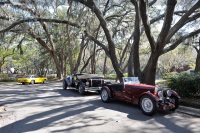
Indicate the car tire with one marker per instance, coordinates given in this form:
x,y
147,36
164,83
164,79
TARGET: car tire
x,y
44,81
148,105
32,82
23,83
175,102
81,90
64,85
105,95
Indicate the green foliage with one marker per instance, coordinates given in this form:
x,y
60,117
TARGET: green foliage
x,y
6,78
110,76
3,75
52,76
113,76
185,84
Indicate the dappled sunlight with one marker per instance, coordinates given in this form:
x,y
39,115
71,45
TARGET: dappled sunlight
x,y
43,108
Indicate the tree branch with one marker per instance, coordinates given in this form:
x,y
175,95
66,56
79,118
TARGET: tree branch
x,y
167,23
146,23
182,21
178,41
4,17
41,20
98,43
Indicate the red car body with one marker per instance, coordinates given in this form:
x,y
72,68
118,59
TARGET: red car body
x,y
147,96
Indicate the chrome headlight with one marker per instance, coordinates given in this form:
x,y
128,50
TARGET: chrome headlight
x,y
87,83
160,95
169,93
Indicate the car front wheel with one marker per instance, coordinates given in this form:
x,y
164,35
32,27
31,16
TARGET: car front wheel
x,y
44,81
175,101
105,95
32,81
81,90
148,105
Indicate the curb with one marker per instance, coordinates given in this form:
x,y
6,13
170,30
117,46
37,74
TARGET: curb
x,y
189,111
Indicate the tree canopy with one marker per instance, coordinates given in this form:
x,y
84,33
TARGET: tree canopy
x,y
81,35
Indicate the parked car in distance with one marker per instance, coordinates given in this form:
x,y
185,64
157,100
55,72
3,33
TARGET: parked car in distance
x,y
32,79
189,71
84,82
149,98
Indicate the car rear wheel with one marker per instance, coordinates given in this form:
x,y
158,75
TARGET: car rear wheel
x,y
175,101
81,90
32,81
44,81
105,95
148,105
23,83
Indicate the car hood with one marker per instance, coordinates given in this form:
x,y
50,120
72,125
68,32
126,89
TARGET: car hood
x,y
142,86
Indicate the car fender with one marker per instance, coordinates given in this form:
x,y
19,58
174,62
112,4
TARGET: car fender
x,y
175,94
150,94
108,89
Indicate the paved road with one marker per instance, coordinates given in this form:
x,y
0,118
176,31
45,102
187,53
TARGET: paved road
x,y
46,108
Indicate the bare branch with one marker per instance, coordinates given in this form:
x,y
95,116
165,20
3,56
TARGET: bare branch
x,y
41,20
146,23
98,43
178,41
4,17
167,23
152,2
182,21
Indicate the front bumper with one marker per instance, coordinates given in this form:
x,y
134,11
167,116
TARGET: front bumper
x,y
92,88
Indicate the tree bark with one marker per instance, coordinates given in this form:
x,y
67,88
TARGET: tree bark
x,y
104,65
134,62
111,45
148,75
197,67
83,44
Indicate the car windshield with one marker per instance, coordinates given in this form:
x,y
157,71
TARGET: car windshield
x,y
28,76
131,80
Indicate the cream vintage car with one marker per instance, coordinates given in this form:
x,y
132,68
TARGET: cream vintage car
x,y
32,79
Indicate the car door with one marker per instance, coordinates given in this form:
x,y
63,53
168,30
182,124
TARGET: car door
x,y
129,93
119,91
36,78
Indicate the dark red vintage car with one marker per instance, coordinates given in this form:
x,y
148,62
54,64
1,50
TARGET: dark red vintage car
x,y
149,98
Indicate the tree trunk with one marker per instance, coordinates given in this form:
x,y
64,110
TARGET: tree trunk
x,y
134,62
93,62
148,75
70,53
104,65
82,45
197,67
111,44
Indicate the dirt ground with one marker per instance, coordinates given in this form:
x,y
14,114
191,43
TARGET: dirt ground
x,y
190,101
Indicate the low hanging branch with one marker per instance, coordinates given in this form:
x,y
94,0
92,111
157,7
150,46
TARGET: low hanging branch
x,y
41,20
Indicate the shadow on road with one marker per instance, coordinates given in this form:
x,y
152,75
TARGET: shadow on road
x,y
76,111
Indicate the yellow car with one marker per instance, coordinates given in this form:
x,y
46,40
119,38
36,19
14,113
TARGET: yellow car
x,y
32,79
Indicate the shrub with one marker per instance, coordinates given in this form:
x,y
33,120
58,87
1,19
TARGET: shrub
x,y
110,76
7,78
185,84
3,75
